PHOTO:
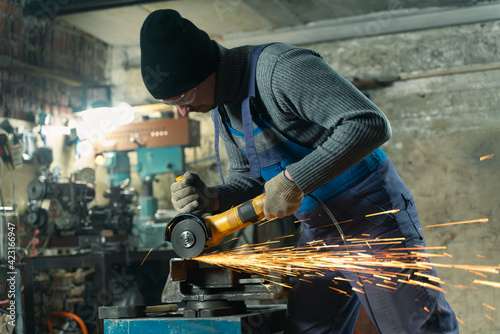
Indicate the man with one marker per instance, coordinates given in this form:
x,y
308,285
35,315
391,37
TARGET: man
x,y
296,129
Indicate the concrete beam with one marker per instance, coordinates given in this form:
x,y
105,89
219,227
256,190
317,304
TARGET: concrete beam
x,y
374,24
379,23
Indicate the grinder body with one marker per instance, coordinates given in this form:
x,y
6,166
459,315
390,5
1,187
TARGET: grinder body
x,y
190,234
234,219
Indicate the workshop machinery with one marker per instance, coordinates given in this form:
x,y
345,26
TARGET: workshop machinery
x,y
112,237
11,145
159,145
82,282
59,207
62,207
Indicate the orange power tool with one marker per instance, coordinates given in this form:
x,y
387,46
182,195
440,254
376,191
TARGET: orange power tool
x,y
190,234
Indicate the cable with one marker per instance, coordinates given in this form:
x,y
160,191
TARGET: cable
x,y
66,315
3,212
3,171
14,203
1,184
339,229
40,251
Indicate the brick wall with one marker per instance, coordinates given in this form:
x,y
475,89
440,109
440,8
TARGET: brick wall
x,y
44,64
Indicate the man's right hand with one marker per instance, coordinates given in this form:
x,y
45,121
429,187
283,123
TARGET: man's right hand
x,y
190,194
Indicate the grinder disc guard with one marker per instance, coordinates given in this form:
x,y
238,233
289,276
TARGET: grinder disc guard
x,y
188,238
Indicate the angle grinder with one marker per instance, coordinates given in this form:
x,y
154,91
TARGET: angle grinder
x,y
190,234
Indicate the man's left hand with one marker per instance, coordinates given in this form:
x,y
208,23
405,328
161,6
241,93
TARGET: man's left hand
x,y
283,197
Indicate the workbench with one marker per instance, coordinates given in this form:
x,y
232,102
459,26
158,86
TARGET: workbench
x,y
262,319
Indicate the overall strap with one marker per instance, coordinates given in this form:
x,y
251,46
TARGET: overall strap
x,y
246,115
216,142
251,151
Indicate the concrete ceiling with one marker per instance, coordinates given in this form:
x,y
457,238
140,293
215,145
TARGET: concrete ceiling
x,y
233,22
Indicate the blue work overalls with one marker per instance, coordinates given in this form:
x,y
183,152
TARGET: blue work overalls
x,y
369,187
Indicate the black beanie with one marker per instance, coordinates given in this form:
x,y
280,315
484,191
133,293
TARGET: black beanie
x,y
175,55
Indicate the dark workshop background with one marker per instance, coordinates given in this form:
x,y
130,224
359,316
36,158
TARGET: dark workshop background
x,y
432,66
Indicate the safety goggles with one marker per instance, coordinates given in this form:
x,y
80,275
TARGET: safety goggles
x,y
186,98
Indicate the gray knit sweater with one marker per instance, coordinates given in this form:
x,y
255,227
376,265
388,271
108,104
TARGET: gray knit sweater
x,y
307,102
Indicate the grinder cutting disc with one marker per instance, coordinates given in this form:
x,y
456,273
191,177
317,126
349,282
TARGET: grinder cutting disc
x,y
188,238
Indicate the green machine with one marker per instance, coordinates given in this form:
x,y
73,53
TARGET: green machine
x,y
159,145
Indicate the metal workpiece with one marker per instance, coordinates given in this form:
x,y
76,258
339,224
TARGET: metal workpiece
x,y
123,312
213,291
